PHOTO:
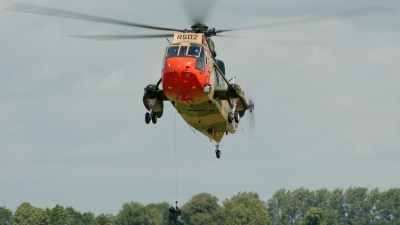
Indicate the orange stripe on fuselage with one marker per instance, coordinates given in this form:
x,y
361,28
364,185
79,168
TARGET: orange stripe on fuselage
x,y
182,81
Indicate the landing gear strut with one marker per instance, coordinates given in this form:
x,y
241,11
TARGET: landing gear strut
x,y
234,115
218,151
151,116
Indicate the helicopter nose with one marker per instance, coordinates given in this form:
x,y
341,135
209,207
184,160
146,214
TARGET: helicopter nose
x,y
181,80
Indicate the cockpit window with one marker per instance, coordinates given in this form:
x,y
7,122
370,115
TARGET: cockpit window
x,y
183,50
172,51
194,50
176,50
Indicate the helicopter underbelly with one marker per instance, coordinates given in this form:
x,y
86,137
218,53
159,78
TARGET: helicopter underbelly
x,y
206,115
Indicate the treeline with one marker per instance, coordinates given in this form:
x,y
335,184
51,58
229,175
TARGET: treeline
x,y
351,207
243,208
298,207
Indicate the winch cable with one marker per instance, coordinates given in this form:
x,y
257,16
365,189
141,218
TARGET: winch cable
x,y
176,167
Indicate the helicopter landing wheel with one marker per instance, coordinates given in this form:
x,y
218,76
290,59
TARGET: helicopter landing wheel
x,y
237,117
147,118
153,118
218,153
230,117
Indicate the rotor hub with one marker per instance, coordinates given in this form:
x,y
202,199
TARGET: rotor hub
x,y
199,28
202,28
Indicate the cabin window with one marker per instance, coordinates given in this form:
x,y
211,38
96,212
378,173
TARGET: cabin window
x,y
207,56
199,60
183,50
200,64
194,51
217,78
163,64
172,51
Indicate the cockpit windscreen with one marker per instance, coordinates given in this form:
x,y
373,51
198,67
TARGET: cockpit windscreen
x,y
175,50
194,50
183,50
172,51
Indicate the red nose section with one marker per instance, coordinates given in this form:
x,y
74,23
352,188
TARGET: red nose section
x,y
182,81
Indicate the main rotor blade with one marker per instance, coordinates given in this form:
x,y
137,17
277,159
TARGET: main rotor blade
x,y
28,8
282,42
198,11
122,37
368,11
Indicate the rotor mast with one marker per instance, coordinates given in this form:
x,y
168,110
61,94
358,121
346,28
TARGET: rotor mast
x,y
202,28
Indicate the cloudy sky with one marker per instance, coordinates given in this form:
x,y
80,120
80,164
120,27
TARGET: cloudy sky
x,y
72,128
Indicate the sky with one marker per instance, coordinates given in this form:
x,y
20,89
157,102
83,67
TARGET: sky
x,y
72,128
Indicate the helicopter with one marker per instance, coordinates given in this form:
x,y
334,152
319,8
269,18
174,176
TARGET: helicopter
x,y
192,79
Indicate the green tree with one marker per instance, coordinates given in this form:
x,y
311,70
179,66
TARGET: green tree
x,y
301,200
328,201
88,218
356,206
388,206
59,216
292,205
202,209
74,217
245,208
322,198
162,209
314,216
370,203
283,206
106,219
5,216
26,214
336,213
134,213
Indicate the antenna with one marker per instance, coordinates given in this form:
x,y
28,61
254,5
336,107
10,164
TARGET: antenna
x,y
232,79
168,40
275,211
